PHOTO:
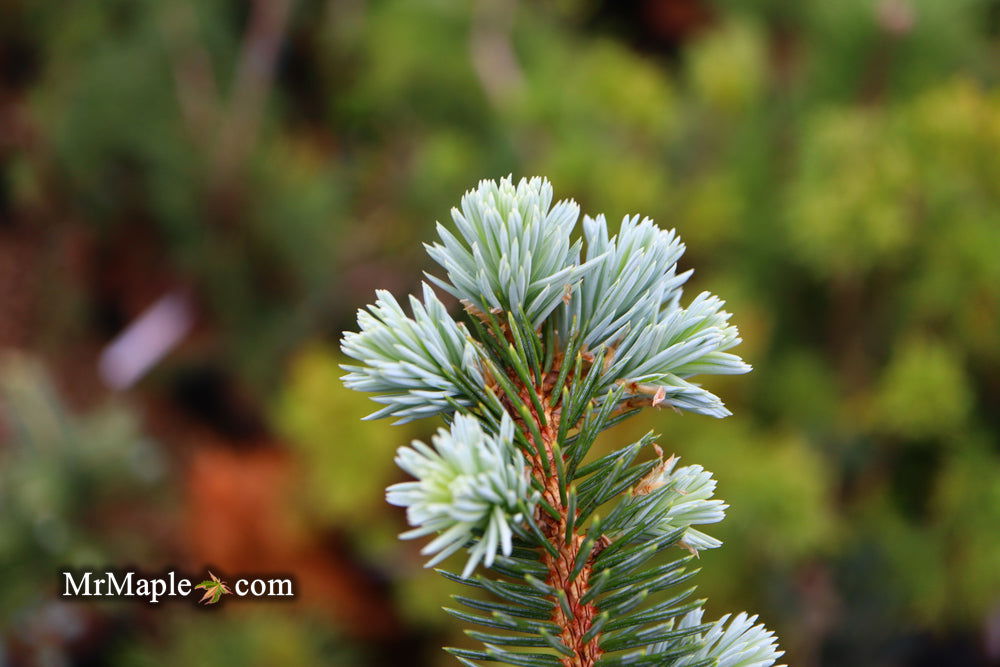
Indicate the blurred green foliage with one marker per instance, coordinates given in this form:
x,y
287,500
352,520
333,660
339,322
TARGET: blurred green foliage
x,y
265,638
61,478
67,487
833,167
343,485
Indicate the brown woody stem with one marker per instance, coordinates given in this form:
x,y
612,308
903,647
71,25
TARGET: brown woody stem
x,y
580,616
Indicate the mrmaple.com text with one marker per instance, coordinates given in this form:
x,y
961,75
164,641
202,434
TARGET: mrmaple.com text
x,y
132,584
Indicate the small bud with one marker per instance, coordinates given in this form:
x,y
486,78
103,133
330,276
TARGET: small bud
x,y
659,396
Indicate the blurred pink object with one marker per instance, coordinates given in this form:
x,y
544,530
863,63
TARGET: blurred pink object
x,y
145,341
992,635
896,17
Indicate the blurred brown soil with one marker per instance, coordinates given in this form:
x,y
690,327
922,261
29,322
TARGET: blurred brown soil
x,y
241,517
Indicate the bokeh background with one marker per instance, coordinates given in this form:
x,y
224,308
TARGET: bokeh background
x,y
195,197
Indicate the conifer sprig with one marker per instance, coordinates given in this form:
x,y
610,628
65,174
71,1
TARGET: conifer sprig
x,y
556,349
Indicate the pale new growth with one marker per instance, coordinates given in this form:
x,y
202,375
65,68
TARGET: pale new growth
x,y
561,339
470,486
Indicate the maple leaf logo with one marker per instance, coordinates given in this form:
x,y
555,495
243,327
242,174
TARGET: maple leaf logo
x,y
214,589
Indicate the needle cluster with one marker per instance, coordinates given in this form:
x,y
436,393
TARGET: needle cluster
x,y
559,340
